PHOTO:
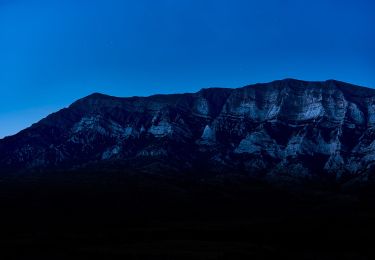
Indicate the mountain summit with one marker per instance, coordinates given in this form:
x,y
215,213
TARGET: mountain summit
x,y
287,129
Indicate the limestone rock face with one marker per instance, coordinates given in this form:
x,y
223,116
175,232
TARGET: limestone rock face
x,y
288,128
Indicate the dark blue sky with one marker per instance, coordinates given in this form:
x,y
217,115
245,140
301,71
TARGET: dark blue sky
x,y
53,52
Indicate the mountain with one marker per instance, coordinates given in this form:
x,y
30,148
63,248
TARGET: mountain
x,y
287,130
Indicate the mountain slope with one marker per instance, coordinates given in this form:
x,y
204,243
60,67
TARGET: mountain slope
x,y
287,129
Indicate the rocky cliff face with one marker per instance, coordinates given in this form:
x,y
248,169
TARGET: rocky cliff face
x,y
286,129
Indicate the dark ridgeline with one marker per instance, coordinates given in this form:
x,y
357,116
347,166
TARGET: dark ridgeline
x,y
221,174
286,130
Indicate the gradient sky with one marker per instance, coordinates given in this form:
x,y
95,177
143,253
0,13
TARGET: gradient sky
x,y
54,52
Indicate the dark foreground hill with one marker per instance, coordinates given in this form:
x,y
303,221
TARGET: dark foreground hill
x,y
96,215
282,170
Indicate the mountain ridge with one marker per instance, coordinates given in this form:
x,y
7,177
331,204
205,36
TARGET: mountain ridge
x,y
286,129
